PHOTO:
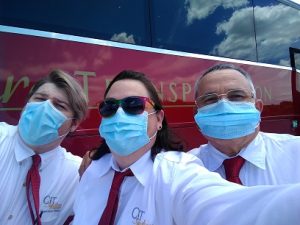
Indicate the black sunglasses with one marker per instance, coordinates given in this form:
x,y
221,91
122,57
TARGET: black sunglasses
x,y
132,105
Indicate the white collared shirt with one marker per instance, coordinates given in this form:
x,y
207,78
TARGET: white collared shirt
x,y
270,159
59,177
176,190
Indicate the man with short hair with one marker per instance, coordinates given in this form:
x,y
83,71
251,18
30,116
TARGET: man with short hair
x,y
38,176
228,116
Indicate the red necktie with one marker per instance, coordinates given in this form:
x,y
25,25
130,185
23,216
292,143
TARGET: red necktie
x,y
33,179
109,214
232,169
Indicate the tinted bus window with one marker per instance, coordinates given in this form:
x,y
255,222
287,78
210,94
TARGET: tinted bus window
x,y
277,29
233,29
222,28
116,20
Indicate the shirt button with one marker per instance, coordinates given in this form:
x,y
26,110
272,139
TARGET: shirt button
x,y
10,217
24,184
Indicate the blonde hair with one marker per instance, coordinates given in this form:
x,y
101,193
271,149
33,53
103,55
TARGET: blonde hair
x,y
74,92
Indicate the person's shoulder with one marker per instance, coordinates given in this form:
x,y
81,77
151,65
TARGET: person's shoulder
x,y
100,164
176,168
198,150
279,137
7,129
97,168
282,143
195,151
175,157
70,159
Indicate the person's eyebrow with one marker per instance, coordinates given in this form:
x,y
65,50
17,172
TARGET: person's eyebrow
x,y
41,93
209,92
56,99
62,102
227,90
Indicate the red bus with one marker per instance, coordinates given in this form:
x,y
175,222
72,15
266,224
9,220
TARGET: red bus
x,y
170,41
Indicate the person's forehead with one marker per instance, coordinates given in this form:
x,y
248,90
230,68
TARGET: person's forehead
x,y
124,88
52,92
223,80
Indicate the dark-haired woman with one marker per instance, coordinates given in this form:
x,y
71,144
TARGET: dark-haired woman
x,y
135,178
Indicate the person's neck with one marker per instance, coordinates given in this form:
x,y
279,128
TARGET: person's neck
x,y
232,147
43,148
126,161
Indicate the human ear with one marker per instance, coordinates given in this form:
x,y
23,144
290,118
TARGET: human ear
x,y
74,125
160,117
259,105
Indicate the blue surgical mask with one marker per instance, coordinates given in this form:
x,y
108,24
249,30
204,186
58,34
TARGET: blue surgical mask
x,y
228,120
39,123
125,134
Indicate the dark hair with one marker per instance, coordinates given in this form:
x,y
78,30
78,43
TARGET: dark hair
x,y
165,140
225,66
72,89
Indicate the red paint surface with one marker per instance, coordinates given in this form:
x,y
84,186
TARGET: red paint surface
x,y
33,57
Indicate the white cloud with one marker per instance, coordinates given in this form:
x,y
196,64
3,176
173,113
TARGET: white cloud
x,y
123,37
296,1
200,9
236,43
276,27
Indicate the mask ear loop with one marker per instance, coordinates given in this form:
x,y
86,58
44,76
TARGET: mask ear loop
x,y
149,114
65,134
75,127
67,118
153,135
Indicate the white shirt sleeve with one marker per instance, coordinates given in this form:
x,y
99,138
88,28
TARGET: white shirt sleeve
x,y
4,132
196,196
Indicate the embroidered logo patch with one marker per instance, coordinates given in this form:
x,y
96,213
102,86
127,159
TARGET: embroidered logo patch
x,y
138,216
51,204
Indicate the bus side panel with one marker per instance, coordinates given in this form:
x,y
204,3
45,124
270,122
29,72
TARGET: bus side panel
x,y
25,59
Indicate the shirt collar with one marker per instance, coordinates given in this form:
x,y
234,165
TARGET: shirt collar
x,y
101,166
142,168
214,158
22,151
254,153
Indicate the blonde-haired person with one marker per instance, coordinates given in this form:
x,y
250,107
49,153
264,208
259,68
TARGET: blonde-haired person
x,y
38,176
136,178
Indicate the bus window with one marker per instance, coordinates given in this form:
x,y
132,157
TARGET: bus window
x,y
110,20
206,27
297,66
277,28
